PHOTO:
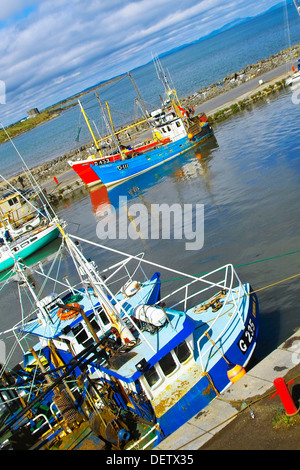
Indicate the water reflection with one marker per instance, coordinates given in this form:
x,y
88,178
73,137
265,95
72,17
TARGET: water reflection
x,y
194,164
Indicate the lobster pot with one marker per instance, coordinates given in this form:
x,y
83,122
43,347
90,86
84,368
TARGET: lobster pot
x,y
67,408
149,314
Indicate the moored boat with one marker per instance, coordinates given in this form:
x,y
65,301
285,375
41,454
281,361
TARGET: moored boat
x,y
150,362
175,130
27,244
181,139
24,228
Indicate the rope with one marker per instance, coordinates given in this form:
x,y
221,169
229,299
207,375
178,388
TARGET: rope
x,y
214,344
267,259
206,374
247,264
274,284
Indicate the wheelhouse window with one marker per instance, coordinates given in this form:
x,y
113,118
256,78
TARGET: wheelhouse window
x,y
168,364
13,201
151,376
103,317
182,352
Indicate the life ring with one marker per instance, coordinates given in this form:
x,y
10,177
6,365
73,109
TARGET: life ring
x,y
68,311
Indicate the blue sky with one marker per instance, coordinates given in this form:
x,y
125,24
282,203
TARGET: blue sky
x,y
54,49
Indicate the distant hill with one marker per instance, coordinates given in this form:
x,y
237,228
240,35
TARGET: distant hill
x,y
226,27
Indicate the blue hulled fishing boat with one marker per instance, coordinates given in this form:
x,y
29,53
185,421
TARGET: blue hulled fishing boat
x,y
181,133
152,361
175,129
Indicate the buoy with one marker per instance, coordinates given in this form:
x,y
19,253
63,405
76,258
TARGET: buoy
x,y
235,372
55,179
199,156
190,135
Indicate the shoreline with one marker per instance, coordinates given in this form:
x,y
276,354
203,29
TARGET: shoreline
x,y
220,100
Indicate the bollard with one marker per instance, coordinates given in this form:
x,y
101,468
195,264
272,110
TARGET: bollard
x,y
284,394
55,179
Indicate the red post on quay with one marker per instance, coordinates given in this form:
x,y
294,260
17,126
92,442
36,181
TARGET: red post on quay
x,y
55,179
284,394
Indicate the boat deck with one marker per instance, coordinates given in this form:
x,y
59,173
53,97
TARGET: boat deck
x,y
223,327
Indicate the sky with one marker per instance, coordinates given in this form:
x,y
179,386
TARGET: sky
x,y
52,49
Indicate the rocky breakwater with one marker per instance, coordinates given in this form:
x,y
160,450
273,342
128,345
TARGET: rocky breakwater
x,y
249,72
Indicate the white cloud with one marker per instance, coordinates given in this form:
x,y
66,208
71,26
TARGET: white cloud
x,y
63,46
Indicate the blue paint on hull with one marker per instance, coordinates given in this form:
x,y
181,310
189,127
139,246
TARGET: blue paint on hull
x,y
116,172
202,393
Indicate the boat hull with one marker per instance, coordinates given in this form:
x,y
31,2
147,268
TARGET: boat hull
x,y
30,246
210,384
85,168
117,172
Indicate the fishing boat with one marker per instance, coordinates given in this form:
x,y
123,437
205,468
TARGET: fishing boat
x,y
150,361
27,220
181,139
174,129
27,244
24,228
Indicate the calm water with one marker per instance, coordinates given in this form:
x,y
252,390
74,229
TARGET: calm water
x,y
248,178
191,68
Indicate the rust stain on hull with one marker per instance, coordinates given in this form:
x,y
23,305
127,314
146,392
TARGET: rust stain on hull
x,y
175,390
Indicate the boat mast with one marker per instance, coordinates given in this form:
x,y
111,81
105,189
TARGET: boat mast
x,y
147,115
113,133
171,93
90,129
37,188
98,286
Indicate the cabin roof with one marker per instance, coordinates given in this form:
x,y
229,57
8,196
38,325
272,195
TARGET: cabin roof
x,y
123,366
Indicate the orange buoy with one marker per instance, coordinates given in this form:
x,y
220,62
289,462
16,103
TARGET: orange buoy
x,y
199,156
69,311
190,135
235,372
